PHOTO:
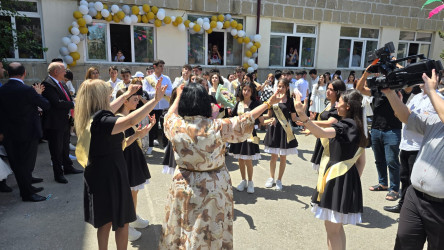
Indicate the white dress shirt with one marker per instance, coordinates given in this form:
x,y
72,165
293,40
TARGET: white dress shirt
x,y
163,104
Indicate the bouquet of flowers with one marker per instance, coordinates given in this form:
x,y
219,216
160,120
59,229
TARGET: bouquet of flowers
x,y
225,97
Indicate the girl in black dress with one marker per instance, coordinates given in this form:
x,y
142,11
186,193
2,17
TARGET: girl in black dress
x,y
138,171
248,150
107,196
279,141
169,163
338,195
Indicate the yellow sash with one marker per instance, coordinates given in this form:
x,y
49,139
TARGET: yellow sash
x,y
335,170
240,111
284,123
82,147
153,83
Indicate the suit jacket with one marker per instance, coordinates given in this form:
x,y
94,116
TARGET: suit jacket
x,y
57,116
18,111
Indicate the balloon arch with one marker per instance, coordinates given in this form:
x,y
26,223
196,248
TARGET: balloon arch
x,y
152,14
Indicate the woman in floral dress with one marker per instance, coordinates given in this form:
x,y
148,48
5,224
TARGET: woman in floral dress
x,y
199,210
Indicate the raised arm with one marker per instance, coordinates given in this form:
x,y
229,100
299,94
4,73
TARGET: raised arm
x,y
360,86
118,102
430,89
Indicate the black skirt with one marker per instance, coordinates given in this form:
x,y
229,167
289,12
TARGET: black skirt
x,y
245,151
317,154
276,141
138,172
169,163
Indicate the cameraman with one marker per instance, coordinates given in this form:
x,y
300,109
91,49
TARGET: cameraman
x,y
385,138
422,215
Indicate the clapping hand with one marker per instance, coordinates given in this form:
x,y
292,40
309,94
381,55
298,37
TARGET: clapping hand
x,y
160,90
152,121
142,131
39,88
430,83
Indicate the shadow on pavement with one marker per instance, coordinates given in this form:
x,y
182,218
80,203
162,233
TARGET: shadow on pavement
x,y
374,219
149,239
248,218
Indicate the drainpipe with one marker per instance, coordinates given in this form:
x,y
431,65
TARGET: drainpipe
x,y
258,19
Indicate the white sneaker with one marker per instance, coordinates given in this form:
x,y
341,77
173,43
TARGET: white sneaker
x,y
156,143
269,182
242,186
139,223
72,147
133,234
149,150
250,188
278,185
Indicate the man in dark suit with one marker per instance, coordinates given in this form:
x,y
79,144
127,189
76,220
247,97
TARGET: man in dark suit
x,y
21,128
56,121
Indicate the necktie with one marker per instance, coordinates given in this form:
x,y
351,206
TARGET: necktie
x,y
67,97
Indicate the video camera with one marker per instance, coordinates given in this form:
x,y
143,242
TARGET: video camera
x,y
397,78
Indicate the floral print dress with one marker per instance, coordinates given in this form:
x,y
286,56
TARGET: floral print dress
x,y
199,210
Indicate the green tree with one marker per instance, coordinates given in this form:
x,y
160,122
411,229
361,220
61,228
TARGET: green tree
x,y
21,37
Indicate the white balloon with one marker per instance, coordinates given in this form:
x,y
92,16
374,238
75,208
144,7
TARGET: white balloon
x,y
255,66
192,31
246,58
173,18
241,33
83,9
68,59
64,51
92,12
249,45
72,47
126,9
228,29
134,19
219,25
75,24
127,20
201,31
255,54
74,30
227,17
91,5
161,10
233,32
98,6
206,26
84,2
66,40
206,20
250,70
181,27
105,13
82,37
114,8
257,38
141,12
75,39
88,19
160,15
250,62
199,21
191,25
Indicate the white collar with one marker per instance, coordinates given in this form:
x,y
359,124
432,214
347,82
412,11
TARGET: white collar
x,y
54,79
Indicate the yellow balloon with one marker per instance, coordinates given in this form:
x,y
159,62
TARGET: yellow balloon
x,y
154,9
99,15
116,19
253,49
77,14
179,20
196,28
240,39
139,18
120,15
175,24
226,24
144,19
167,20
248,53
239,26
257,44
75,55
209,31
81,22
246,65
69,29
109,18
187,23
213,24
135,10
83,30
146,8
236,37
158,23
74,63
214,18
246,39
105,6
233,24
220,18
150,15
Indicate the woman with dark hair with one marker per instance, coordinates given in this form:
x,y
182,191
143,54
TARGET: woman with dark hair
x,y
338,196
351,81
199,210
248,150
215,80
327,78
318,95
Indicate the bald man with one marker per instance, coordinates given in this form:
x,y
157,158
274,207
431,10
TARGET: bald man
x,y
56,121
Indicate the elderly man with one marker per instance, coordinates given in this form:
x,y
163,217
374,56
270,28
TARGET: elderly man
x,y
57,121
21,128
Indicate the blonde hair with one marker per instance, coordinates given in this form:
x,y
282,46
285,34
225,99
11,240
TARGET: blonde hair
x,y
89,72
93,96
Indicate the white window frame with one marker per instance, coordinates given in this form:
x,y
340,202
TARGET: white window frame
x,y
206,44
108,44
38,15
364,46
295,34
408,42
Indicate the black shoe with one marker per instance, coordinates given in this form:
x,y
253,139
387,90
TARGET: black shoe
x,y
5,188
393,209
36,189
36,180
34,198
72,170
61,179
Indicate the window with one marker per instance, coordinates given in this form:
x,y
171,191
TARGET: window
x,y
25,30
217,48
413,43
105,40
292,45
354,45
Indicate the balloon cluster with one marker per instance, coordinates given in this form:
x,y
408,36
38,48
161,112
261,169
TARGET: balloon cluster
x,y
157,16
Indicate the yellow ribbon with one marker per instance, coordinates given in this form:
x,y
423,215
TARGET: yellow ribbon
x,y
82,147
153,83
284,123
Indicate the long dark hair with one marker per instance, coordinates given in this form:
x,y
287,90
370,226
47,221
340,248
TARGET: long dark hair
x,y
286,83
338,87
194,101
354,100
253,91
